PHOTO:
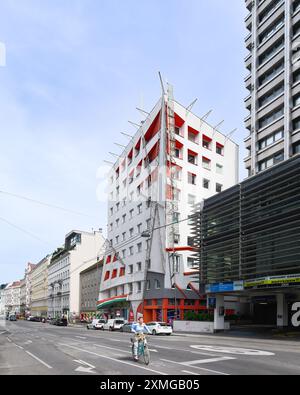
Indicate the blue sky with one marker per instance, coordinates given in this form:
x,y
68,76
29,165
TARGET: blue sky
x,y
76,70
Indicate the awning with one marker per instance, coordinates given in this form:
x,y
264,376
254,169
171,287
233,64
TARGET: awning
x,y
111,301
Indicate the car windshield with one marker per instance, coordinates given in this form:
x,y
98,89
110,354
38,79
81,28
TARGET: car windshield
x,y
119,322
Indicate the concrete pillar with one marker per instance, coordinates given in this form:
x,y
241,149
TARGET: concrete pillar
x,y
219,314
282,311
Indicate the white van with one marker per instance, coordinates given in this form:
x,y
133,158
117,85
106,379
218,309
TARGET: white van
x,y
114,324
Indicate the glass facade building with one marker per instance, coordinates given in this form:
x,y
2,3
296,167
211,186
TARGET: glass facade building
x,y
252,230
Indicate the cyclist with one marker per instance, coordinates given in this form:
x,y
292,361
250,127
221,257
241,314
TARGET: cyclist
x,y
138,328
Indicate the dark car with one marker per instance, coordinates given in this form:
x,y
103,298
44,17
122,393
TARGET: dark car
x,y
61,322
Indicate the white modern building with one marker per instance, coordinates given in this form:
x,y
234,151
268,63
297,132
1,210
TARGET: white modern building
x,y
174,161
79,250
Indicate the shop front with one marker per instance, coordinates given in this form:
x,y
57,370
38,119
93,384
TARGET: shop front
x,y
114,307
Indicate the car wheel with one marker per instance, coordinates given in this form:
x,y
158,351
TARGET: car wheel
x,y
154,332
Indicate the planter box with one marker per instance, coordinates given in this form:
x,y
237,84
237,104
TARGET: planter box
x,y
196,326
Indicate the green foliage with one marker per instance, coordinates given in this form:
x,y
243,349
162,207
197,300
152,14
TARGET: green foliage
x,y
203,316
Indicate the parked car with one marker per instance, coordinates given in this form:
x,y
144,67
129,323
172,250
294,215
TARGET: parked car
x,y
160,328
60,322
34,319
52,321
114,324
12,318
97,325
126,328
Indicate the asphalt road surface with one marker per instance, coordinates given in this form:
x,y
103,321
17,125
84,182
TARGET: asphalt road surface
x,y
40,349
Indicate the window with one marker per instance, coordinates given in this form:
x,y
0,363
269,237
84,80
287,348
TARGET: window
x,y
193,158
124,236
139,228
139,266
192,178
206,183
139,287
206,142
157,284
124,218
220,149
206,163
140,208
131,251
219,169
272,138
130,289
192,262
219,188
131,232
131,214
130,269
139,248
269,118
148,285
176,217
191,199
176,263
123,253
176,238
117,239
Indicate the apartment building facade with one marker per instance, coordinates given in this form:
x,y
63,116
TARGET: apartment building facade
x,y
39,288
13,297
79,250
89,290
2,298
149,267
28,290
273,82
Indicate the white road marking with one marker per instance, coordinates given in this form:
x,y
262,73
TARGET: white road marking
x,y
39,360
2,333
197,367
233,350
114,359
88,369
8,339
19,347
192,373
205,361
112,348
80,337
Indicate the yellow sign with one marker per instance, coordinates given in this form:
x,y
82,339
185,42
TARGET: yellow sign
x,y
273,281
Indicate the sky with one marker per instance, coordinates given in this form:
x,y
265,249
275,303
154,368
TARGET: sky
x,y
75,72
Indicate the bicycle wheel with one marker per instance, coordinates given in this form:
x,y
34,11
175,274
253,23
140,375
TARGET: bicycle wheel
x,y
146,355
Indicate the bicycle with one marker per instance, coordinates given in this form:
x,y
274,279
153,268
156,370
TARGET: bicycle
x,y
143,350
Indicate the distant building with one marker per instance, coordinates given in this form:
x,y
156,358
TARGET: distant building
x,y
89,289
23,297
79,250
13,297
39,288
28,270
2,298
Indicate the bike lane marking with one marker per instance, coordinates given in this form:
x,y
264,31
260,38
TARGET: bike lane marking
x,y
113,359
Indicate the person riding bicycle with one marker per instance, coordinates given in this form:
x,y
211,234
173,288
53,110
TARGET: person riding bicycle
x,y
139,328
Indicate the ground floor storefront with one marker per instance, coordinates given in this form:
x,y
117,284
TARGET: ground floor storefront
x,y
166,310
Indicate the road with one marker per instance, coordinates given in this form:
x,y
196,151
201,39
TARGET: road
x,y
41,349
